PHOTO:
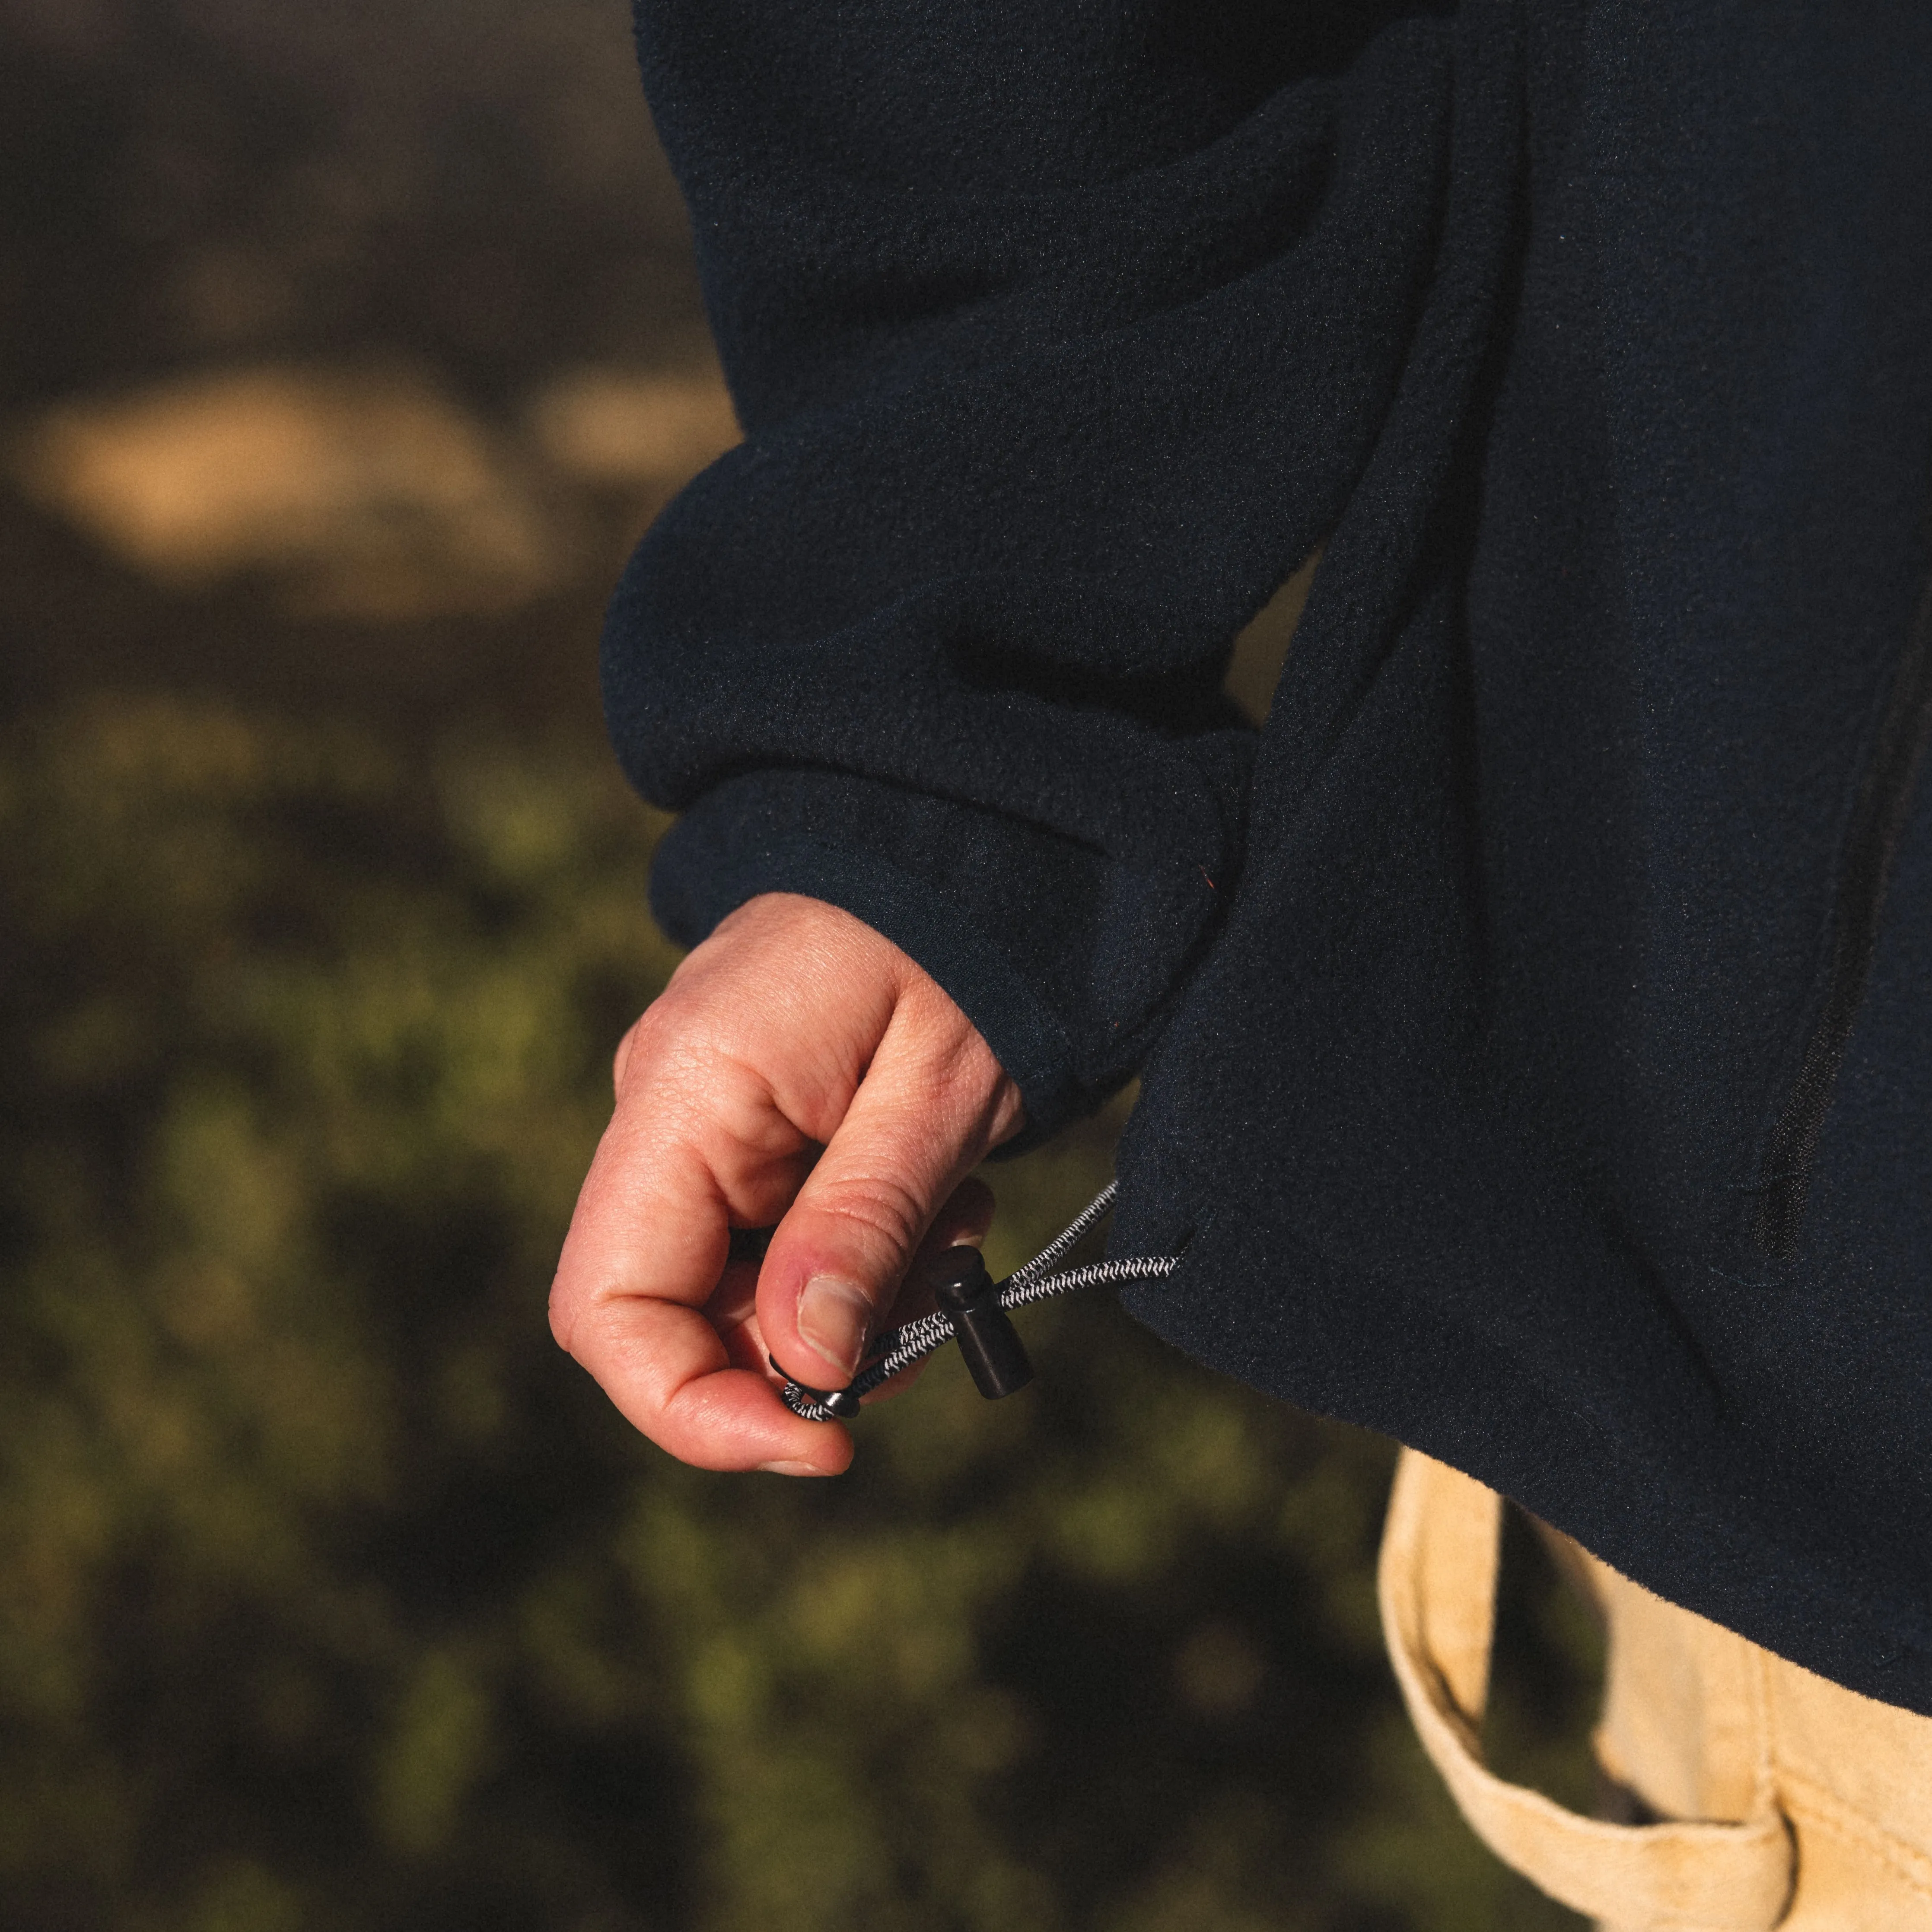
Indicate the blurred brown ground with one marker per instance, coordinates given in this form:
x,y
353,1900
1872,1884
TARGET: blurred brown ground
x,y
305,320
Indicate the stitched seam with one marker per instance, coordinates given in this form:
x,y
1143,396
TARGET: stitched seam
x,y
1763,1719
1810,1804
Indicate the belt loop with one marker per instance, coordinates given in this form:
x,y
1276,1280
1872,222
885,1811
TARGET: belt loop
x,y
1436,1584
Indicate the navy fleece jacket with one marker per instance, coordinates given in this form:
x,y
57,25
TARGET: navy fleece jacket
x,y
1534,1015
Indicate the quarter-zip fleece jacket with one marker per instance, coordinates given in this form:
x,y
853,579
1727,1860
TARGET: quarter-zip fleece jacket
x,y
1535,1016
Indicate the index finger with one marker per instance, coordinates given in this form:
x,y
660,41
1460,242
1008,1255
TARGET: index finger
x,y
647,1245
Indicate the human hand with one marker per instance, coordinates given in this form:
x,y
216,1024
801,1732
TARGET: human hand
x,y
793,1027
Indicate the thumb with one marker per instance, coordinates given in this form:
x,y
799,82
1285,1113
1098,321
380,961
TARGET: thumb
x,y
931,1104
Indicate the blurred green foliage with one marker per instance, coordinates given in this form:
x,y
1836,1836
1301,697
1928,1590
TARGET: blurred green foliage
x,y
334,1597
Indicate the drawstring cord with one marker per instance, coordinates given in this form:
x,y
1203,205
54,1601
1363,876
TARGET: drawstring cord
x,y
969,1310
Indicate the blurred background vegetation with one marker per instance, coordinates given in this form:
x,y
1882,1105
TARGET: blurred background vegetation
x,y
347,348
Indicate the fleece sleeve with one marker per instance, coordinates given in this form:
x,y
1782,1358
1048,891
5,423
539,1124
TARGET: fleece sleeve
x,y
1060,331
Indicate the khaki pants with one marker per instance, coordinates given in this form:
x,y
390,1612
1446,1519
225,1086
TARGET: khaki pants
x,y
1786,1800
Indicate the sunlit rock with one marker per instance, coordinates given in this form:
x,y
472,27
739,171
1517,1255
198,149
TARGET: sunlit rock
x,y
630,430
365,494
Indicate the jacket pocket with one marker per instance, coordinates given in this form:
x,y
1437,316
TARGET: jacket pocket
x,y
1871,841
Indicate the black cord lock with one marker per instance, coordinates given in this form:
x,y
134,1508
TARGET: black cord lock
x,y
972,1312
970,1300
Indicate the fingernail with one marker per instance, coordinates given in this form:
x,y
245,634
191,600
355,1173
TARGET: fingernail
x,y
833,1317
790,1469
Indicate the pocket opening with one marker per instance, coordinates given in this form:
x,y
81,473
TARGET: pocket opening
x,y
1877,823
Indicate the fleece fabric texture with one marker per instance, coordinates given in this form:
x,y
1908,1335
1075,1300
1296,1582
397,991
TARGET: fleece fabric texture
x,y
1534,1016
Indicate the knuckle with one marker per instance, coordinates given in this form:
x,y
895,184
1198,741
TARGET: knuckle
x,y
680,1064
621,1058
562,1314
951,1052
660,1025
885,1214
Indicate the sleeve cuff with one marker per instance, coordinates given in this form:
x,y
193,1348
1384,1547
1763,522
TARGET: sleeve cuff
x,y
1062,963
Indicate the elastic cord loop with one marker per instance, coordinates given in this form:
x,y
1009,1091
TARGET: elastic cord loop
x,y
897,1349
